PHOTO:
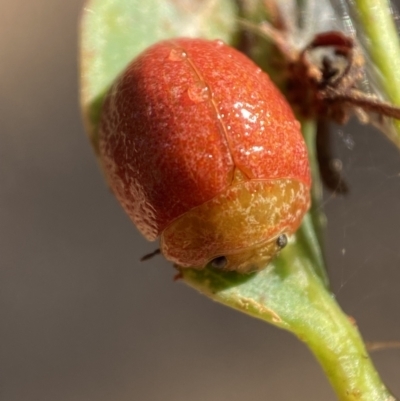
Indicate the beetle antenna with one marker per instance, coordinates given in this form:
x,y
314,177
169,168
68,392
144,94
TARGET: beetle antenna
x,y
150,255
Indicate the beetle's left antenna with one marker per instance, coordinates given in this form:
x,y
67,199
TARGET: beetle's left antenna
x,y
150,255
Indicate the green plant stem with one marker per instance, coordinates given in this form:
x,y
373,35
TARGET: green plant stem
x,y
290,295
380,29
383,47
336,343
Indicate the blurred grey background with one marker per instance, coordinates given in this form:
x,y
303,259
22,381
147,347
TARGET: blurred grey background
x,y
82,319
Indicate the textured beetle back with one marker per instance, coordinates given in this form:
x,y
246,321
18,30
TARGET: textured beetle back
x,y
182,118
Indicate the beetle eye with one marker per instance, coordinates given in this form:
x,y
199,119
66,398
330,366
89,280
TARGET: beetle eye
x,y
219,263
282,241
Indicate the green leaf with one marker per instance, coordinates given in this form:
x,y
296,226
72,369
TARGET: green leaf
x,y
291,292
113,32
290,295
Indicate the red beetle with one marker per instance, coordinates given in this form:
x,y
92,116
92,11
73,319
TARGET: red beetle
x,y
202,150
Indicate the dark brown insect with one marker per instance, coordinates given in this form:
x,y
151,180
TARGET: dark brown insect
x,y
324,83
326,74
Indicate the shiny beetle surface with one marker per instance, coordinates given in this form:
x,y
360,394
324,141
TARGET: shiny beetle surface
x,y
204,152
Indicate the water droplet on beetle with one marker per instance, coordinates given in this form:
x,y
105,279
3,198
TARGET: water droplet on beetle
x,y
199,92
219,42
257,148
177,54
